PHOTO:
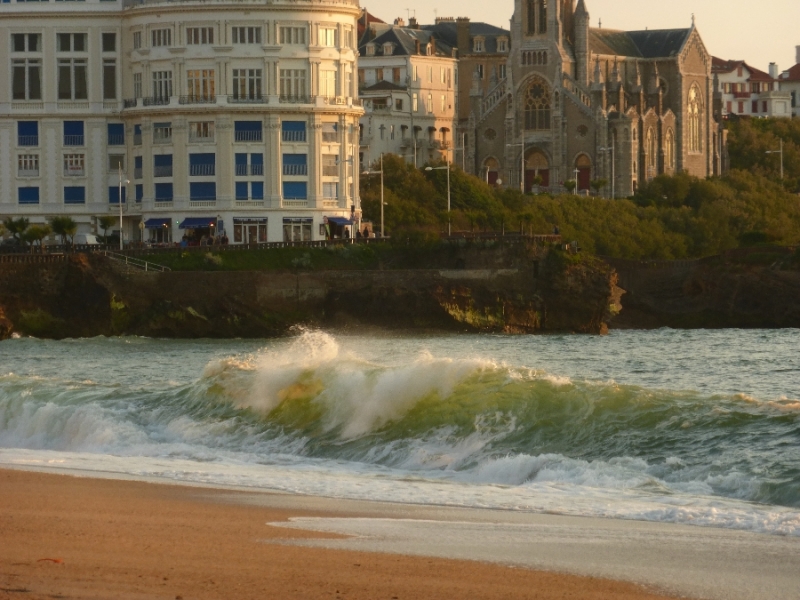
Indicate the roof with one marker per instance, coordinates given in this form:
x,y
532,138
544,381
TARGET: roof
x,y
650,43
447,30
792,74
405,41
370,19
720,66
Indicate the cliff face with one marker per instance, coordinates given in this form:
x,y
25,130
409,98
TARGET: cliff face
x,y
89,296
747,288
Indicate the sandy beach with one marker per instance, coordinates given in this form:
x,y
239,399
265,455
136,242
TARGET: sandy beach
x,y
75,537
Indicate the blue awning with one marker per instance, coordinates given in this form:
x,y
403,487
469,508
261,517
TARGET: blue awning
x,y
156,223
198,223
340,221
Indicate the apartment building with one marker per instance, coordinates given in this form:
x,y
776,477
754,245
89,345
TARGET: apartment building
x,y
196,116
743,90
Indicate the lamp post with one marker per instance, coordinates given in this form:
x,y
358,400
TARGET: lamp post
x,y
577,172
449,231
382,202
778,152
613,178
119,201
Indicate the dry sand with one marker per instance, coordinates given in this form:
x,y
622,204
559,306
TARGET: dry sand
x,y
73,537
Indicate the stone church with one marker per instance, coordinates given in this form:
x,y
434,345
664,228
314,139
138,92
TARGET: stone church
x,y
583,103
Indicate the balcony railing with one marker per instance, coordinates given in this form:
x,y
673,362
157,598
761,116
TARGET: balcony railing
x,y
197,100
247,100
242,170
160,138
295,169
73,140
166,171
131,103
248,136
201,170
28,140
116,140
156,101
293,136
256,169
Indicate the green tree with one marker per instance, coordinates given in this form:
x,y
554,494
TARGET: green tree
x,y
16,227
598,184
36,233
106,222
65,227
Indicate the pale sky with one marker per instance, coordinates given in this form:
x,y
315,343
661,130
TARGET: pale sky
x,y
758,32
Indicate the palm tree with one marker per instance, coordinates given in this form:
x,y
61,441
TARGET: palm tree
x,y
36,233
16,227
106,222
65,227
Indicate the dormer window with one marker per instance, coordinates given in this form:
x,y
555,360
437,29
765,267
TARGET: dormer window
x,y
479,44
388,49
429,49
502,44
370,49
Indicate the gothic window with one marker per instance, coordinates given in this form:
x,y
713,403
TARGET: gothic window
x,y
651,153
542,16
537,17
695,103
669,150
537,105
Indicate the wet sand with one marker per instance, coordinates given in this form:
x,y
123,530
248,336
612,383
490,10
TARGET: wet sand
x,y
63,536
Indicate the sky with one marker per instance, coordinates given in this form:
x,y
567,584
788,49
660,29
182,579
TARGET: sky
x,y
757,32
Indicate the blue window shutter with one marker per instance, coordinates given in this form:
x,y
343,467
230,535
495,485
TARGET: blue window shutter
x,y
74,195
247,126
241,190
139,192
256,159
257,190
113,195
137,130
241,159
73,127
293,125
28,128
203,190
202,159
163,160
295,190
294,159
116,134
137,162
164,192
28,195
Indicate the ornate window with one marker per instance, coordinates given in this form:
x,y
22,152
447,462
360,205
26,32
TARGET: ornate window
x,y
537,17
537,105
651,153
669,150
694,111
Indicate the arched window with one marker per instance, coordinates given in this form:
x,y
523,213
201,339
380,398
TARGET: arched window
x,y
537,106
651,152
694,111
537,17
543,16
669,150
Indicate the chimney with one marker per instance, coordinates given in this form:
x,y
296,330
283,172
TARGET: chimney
x,y
413,23
462,34
417,47
773,70
797,58
399,22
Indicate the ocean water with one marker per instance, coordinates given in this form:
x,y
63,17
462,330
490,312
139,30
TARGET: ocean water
x,y
694,427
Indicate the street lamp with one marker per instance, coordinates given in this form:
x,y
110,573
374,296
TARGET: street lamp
x,y
613,178
382,202
448,190
119,201
778,152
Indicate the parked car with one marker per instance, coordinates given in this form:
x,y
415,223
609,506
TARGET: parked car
x,y
13,245
85,239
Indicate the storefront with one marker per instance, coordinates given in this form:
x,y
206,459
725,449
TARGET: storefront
x,y
297,229
158,230
249,230
199,229
337,228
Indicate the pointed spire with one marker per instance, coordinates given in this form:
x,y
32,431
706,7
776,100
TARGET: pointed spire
x,y
598,74
580,10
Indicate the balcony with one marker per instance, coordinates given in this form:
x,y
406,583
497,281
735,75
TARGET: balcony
x,y
197,100
248,136
293,136
155,101
161,138
131,103
73,140
165,171
295,170
116,140
28,140
199,170
247,100
244,170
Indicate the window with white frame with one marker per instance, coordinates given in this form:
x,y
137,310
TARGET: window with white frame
x,y
327,83
502,44
430,103
162,85
26,79
137,40
137,85
246,35
196,36
292,35
72,83
201,131
162,133
247,84
330,190
109,42
444,104
109,79
200,84
329,133
327,36
74,165
293,83
414,103
116,162
442,75
26,42
348,36
330,166
161,37
71,42
28,165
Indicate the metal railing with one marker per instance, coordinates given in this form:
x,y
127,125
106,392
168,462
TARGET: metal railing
x,y
247,136
28,140
163,171
135,262
202,170
116,140
155,101
247,100
198,99
73,140
295,169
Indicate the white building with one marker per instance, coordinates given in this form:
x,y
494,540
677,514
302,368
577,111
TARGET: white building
x,y
408,82
790,83
746,91
224,116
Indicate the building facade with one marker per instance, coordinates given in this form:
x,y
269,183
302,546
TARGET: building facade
x,y
790,82
745,91
407,81
199,117
581,103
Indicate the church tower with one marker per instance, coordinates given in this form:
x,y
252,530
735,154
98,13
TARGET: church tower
x,y
581,43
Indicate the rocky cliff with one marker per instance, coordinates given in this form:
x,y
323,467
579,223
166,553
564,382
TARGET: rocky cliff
x,y
91,295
